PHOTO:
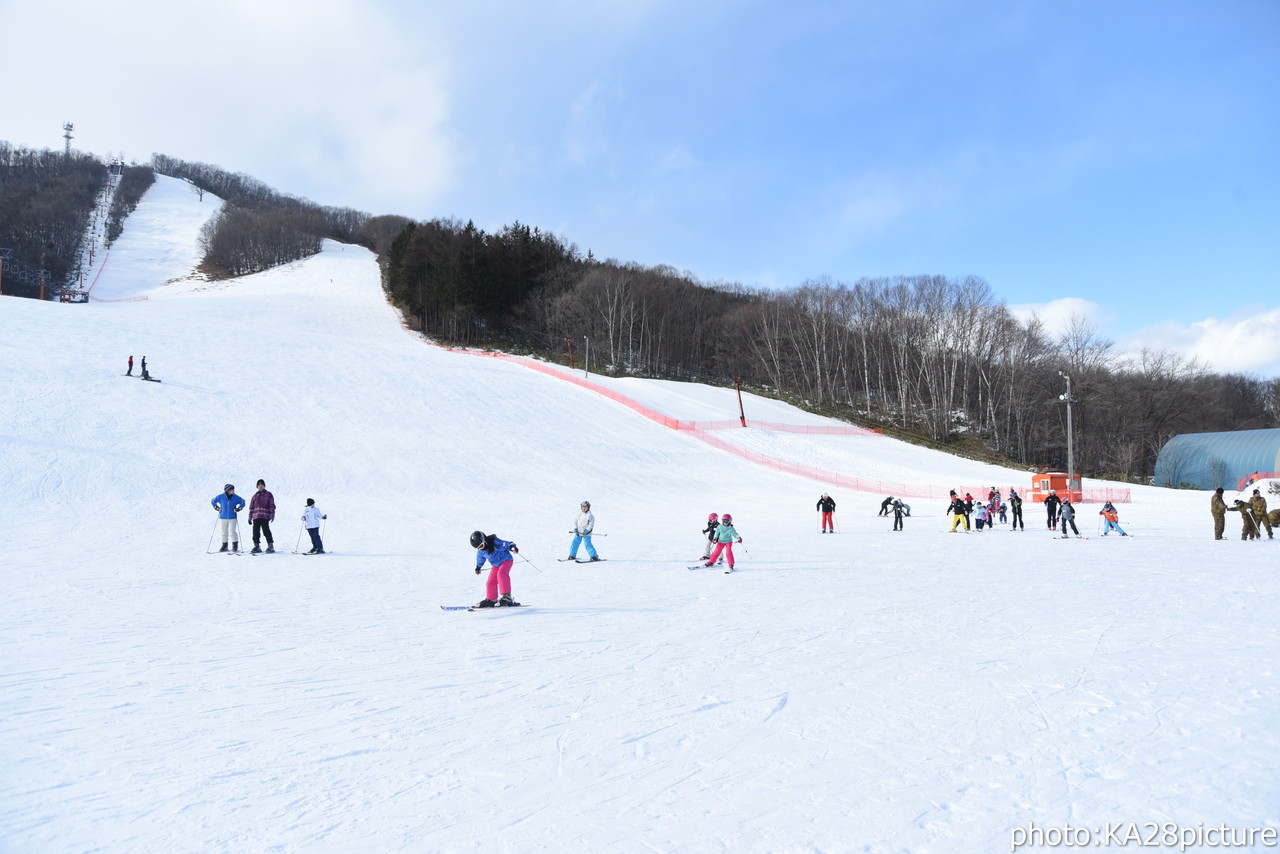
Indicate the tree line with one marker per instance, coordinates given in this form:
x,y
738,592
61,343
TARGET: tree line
x,y
932,357
46,199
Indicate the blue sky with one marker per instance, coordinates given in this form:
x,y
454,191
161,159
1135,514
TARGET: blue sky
x,y
1117,160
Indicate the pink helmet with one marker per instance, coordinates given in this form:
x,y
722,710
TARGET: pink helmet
x,y
726,518
713,518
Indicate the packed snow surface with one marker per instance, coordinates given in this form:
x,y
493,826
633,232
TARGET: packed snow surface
x,y
914,691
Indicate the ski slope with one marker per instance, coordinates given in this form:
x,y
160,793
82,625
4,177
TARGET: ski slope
x,y
873,691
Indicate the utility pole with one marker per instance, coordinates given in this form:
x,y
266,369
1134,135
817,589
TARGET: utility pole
x,y
586,357
742,415
1071,454
67,128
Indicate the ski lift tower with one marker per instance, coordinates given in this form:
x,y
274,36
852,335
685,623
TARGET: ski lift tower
x,y
67,128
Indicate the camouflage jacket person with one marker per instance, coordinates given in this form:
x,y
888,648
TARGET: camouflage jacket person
x,y
1248,530
1258,504
1218,508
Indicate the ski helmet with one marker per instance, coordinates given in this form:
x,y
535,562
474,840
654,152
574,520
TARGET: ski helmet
x,y
726,518
713,518
477,539
586,504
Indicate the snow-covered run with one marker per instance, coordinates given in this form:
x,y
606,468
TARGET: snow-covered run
x,y
879,691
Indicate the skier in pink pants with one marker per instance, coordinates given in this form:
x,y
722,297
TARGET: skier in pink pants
x,y
497,589
725,536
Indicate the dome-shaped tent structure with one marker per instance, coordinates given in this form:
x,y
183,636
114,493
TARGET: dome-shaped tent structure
x,y
1210,460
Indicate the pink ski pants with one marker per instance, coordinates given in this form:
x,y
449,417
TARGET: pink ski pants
x,y
499,580
727,548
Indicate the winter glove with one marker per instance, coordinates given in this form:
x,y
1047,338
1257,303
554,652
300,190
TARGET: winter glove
x,y
515,550
477,570
324,517
739,539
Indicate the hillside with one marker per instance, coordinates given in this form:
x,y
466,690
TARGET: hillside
x,y
918,691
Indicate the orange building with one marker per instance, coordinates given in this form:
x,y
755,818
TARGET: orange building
x,y
1057,481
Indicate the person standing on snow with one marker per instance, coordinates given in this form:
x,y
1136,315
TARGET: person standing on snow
x,y
885,505
497,589
129,372
1218,507
582,527
1258,505
1015,504
1248,530
957,513
262,512
228,504
713,522
899,510
311,517
725,537
1051,505
1068,514
1112,516
984,517
827,506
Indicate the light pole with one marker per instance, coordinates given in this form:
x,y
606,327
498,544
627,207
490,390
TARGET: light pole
x,y
1071,454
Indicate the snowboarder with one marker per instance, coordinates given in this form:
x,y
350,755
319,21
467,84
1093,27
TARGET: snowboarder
x,y
311,517
582,527
1248,530
129,372
885,505
957,513
899,510
1068,514
1052,504
1258,505
1218,507
725,536
497,589
262,512
713,522
1112,516
1015,504
145,375
827,506
228,504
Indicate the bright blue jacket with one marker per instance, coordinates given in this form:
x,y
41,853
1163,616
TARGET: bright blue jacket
x,y
501,553
227,506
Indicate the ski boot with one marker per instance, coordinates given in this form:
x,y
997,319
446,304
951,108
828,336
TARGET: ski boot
x,y
235,548
485,603
256,550
224,548
596,558
505,601
271,549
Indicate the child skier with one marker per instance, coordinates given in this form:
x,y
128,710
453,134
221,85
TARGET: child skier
x,y
1068,515
1109,513
497,589
983,514
311,517
228,504
1004,513
725,536
713,522
582,527
827,506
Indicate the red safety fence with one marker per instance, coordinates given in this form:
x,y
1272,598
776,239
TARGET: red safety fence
x,y
1250,479
702,431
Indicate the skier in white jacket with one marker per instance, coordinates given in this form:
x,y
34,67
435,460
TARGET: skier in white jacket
x,y
582,528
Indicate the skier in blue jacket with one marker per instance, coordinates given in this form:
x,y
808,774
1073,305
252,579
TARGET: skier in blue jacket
x,y
498,553
228,504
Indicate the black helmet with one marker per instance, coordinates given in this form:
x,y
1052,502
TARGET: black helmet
x,y
477,539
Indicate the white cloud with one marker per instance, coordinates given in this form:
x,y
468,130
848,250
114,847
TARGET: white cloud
x,y
1247,341
1057,315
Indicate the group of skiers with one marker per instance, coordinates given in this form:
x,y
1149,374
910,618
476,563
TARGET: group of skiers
x,y
985,513
1253,515
262,512
721,535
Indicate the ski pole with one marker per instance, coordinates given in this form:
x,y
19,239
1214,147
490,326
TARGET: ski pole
x,y
209,549
531,563
297,547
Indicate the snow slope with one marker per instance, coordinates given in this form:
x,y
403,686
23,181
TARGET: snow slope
x,y
870,691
